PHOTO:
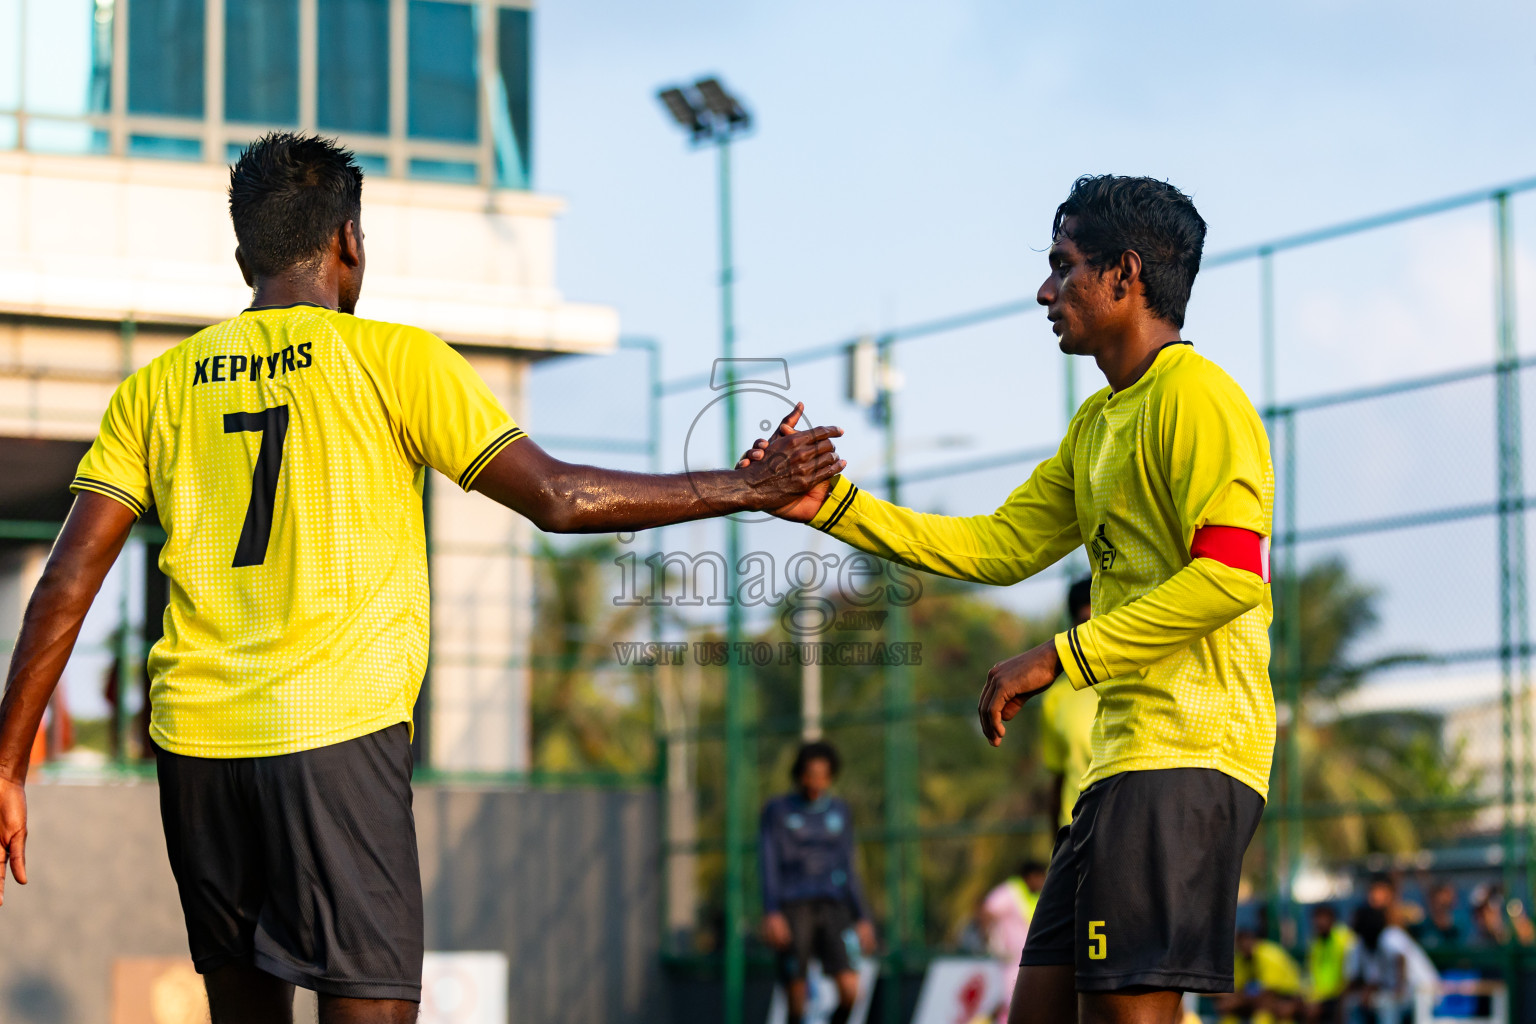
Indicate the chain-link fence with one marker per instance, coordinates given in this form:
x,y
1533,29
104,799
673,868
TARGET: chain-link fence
x,y
1400,667
698,657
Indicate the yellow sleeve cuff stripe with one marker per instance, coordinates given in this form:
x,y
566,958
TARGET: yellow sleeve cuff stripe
x,y
118,494
842,508
839,500
487,454
1073,659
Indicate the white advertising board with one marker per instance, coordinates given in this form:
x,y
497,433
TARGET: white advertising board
x,y
821,997
464,988
960,990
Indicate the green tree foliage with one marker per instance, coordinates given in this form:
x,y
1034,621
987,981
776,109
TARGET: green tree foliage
x,y
1390,758
586,713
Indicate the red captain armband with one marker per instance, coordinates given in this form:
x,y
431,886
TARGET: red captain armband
x,y
1233,546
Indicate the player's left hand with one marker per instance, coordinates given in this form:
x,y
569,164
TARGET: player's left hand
x,y
803,508
866,933
13,833
1011,683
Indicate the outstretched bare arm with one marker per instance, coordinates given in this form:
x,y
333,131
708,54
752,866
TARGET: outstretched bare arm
x,y
92,536
560,497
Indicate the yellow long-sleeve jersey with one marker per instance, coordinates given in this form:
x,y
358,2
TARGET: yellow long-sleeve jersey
x,y
286,450
1178,646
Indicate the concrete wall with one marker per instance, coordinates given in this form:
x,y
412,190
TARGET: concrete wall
x,y
102,238
482,611
565,883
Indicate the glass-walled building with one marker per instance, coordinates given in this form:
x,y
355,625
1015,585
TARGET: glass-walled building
x,y
117,121
425,89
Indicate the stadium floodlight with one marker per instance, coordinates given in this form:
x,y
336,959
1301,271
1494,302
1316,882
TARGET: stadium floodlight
x,y
706,111
723,105
711,115
684,112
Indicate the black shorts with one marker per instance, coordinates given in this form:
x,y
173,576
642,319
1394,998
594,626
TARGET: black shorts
x,y
1142,888
302,865
818,930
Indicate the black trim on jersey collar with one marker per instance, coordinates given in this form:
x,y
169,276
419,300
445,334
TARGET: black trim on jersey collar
x,y
1170,344
291,305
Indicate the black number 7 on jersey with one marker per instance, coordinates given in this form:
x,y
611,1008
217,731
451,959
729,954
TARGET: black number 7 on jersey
x,y
272,424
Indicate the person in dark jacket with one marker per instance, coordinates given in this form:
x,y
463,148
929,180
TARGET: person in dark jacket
x,y
814,905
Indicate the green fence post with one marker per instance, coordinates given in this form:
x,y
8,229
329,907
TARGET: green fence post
x,y
1509,355
738,775
122,718
663,739
1512,626
1267,325
903,876
1275,824
1293,653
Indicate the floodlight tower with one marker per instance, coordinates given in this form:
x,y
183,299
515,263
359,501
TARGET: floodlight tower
x,y
711,115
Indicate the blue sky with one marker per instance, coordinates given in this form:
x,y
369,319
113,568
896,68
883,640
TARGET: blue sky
x,y
910,154
908,159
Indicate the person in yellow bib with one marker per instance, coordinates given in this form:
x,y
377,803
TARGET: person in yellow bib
x,y
1066,723
1268,983
1329,969
1165,476
286,450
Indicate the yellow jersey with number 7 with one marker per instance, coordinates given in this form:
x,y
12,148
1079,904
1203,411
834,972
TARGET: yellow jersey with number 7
x,y
285,450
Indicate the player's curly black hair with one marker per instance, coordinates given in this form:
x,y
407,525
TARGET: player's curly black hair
x,y
816,750
1114,213
289,194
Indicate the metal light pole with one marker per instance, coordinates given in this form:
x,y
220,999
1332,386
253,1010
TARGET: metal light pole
x,y
712,115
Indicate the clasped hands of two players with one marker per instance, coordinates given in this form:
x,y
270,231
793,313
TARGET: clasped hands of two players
x,y
1010,683
792,467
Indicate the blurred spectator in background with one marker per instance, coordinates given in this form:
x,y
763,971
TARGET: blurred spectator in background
x,y
139,745
1487,919
1385,893
1066,723
1495,921
1328,965
1005,916
1267,983
1392,968
1442,925
1380,893
814,904
1520,922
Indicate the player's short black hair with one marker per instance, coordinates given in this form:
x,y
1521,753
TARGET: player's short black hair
x,y
816,750
1031,867
289,193
1115,213
1080,595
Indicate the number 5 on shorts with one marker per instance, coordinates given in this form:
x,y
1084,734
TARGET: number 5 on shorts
x,y
1098,942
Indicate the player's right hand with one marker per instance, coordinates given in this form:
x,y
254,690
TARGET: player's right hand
x,y
803,506
1013,682
13,833
776,931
